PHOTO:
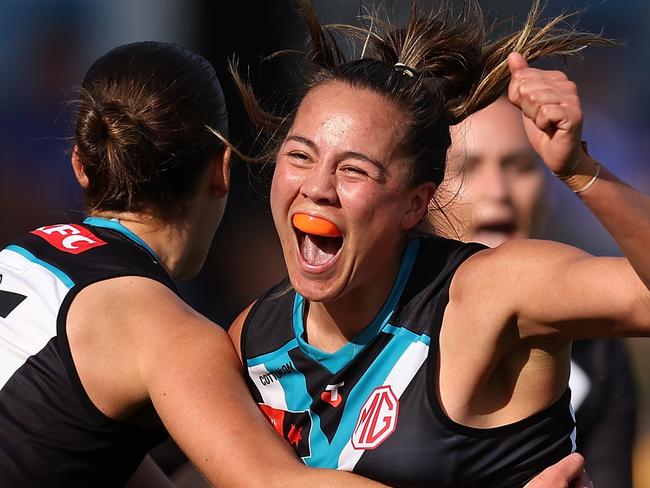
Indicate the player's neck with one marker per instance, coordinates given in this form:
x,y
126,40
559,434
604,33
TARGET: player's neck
x,y
168,240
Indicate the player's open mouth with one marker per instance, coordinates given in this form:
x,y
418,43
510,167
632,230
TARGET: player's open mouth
x,y
495,232
319,240
503,227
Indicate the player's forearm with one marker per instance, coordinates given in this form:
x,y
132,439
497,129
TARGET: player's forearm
x,y
560,475
318,478
625,213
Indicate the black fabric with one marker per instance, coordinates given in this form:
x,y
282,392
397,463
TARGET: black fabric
x,y
51,434
277,306
426,448
48,436
606,419
9,301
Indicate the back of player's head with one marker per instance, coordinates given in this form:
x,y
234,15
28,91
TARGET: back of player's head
x,y
141,130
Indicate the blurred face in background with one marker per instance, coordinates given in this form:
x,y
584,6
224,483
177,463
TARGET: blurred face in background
x,y
494,177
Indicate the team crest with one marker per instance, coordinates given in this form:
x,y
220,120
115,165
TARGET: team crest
x,y
295,427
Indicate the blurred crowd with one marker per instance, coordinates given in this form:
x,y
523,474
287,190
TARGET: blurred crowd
x,y
47,45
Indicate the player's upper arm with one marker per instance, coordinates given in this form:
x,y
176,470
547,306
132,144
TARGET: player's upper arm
x,y
555,289
167,353
195,382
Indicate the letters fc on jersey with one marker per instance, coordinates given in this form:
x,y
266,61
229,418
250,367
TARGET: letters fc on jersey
x,y
69,238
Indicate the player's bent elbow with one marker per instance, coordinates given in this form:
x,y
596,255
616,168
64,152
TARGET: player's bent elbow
x,y
635,319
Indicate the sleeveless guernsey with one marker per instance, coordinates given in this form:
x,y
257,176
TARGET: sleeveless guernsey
x,y
371,407
51,434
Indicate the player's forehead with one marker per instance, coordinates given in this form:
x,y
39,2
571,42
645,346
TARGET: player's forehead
x,y
495,131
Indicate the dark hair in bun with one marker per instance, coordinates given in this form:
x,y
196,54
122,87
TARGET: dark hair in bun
x,y
144,127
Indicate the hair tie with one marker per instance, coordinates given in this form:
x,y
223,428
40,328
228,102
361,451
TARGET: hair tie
x,y
405,70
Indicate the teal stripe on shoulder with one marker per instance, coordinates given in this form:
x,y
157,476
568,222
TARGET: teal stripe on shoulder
x,y
64,278
407,334
264,358
117,226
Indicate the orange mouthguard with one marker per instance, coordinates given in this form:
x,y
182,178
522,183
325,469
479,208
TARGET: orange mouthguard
x,y
315,225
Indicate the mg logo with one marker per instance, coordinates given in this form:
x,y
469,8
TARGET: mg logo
x,y
377,419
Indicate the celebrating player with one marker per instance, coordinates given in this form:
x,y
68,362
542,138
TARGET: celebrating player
x,y
415,360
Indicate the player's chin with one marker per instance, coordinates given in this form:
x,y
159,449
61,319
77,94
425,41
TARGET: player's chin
x,y
317,288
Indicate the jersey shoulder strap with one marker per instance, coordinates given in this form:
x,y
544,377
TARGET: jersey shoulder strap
x,y
84,254
426,292
268,325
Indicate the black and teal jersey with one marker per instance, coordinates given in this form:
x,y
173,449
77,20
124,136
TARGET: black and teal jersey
x,y
371,406
51,434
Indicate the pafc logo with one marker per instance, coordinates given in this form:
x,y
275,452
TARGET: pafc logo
x,y
69,238
377,419
295,427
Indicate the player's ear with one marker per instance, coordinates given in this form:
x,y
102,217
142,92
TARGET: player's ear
x,y
78,168
220,182
417,205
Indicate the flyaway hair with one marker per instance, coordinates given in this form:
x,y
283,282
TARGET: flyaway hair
x,y
438,68
449,44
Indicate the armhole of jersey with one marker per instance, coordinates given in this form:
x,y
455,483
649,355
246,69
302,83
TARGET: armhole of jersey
x,y
432,366
244,332
285,287
64,345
